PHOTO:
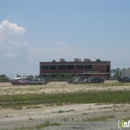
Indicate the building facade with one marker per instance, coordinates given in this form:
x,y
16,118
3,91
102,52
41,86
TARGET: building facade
x,y
125,73
77,67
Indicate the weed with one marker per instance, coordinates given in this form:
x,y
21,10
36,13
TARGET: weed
x,y
84,114
63,98
30,118
101,118
18,107
36,107
46,124
65,119
105,108
61,111
59,104
89,107
28,107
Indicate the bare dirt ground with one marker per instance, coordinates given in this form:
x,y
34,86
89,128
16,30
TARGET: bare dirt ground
x,y
70,117
59,87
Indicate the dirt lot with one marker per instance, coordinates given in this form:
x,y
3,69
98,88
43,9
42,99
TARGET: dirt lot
x,y
69,116
60,87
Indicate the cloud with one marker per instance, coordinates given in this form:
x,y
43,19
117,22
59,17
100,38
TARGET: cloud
x,y
11,27
13,47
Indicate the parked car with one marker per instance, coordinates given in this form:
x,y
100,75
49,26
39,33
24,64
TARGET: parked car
x,y
124,79
80,80
43,81
95,80
15,82
37,81
19,81
72,79
26,81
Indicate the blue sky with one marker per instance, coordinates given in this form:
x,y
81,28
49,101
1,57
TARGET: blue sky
x,y
42,30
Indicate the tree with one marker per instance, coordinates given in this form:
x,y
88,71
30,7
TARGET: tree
x,y
3,78
115,72
17,75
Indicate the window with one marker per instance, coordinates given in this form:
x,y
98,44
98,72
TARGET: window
x,y
88,66
61,67
88,75
79,67
70,66
108,68
44,67
52,66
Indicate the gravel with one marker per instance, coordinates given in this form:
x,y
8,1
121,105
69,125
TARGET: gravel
x,y
70,117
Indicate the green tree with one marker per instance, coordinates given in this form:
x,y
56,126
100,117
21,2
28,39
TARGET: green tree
x,y
4,78
17,75
115,72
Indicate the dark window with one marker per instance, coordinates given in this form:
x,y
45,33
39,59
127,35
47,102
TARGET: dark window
x,y
108,68
88,75
52,66
44,67
88,66
62,67
70,66
108,76
79,67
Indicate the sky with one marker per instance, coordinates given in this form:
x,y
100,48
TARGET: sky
x,y
32,31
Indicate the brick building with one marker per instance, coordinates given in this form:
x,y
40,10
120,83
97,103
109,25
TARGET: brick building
x,y
77,67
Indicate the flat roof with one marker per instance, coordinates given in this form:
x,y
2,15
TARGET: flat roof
x,y
76,62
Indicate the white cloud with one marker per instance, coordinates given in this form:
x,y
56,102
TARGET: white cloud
x,y
13,47
11,27
14,43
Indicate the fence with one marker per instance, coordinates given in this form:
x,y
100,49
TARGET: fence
x,y
4,80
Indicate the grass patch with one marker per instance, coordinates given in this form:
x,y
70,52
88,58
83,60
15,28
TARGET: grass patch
x,y
101,118
61,111
17,107
67,98
46,124
28,107
59,104
84,114
105,108
36,107
30,118
99,104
